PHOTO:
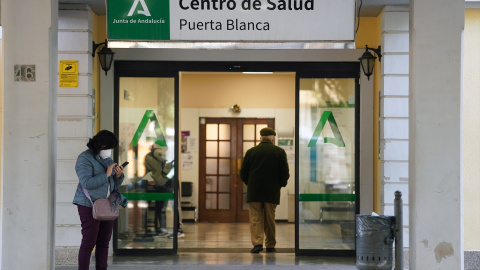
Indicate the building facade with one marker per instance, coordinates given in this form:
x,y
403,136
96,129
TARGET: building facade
x,y
417,123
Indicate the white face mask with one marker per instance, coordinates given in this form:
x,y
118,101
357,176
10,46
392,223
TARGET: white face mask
x,y
105,153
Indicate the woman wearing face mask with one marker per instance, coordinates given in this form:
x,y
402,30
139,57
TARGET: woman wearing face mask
x,y
98,173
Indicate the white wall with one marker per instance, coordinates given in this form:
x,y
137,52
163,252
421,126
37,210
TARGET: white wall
x,y
75,125
435,134
394,112
29,110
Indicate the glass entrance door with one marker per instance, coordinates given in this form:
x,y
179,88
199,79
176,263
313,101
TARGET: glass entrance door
x,y
146,132
326,151
327,163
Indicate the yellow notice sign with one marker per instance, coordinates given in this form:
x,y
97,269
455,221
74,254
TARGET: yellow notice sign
x,y
68,70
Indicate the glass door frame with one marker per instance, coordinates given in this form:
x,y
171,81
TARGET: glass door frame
x,y
171,69
123,69
349,70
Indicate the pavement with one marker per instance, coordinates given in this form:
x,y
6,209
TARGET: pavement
x,y
217,261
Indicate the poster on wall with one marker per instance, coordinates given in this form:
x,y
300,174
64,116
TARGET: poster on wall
x,y
184,141
188,143
68,73
231,20
187,162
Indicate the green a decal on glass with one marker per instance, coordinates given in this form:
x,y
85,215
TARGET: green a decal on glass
x,y
338,140
159,139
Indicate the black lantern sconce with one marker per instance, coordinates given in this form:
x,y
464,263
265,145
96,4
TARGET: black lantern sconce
x,y
367,60
105,55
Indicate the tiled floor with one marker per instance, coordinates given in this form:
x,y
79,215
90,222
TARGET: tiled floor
x,y
222,236
212,246
213,236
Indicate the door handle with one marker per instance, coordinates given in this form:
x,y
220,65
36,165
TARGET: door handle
x,y
236,165
239,165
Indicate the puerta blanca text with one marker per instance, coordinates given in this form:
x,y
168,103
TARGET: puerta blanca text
x,y
229,25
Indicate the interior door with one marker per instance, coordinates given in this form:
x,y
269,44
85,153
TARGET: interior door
x,y
248,137
223,142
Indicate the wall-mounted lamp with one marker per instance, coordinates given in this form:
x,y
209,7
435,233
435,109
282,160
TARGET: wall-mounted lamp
x,y
368,60
236,109
105,55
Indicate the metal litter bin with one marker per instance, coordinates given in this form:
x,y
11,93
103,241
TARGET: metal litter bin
x,y
374,242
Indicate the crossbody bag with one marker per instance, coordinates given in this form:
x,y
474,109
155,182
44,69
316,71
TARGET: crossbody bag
x,y
102,209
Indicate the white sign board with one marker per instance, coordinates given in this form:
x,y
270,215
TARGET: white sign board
x,y
232,20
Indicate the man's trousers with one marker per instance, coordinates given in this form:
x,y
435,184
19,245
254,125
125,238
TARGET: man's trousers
x,y
262,224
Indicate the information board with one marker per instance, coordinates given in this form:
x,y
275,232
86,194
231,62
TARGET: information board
x,y
232,20
68,73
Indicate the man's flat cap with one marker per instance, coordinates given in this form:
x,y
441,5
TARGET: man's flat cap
x,y
267,132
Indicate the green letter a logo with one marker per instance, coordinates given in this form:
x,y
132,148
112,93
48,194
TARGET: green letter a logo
x,y
338,140
145,10
159,139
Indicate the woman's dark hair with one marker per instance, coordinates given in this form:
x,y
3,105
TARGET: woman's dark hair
x,y
103,140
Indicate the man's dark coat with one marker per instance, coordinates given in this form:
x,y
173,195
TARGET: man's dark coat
x,y
265,171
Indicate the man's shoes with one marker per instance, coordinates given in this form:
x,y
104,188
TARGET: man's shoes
x,y
271,250
256,249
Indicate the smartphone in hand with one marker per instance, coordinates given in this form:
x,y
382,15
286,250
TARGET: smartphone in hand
x,y
123,165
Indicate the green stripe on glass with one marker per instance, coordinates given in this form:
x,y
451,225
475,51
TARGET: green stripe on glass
x,y
151,196
327,197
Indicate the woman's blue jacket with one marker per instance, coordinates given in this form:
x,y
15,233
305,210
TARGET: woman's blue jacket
x,y
91,172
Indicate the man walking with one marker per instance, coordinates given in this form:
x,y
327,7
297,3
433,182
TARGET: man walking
x,y
264,171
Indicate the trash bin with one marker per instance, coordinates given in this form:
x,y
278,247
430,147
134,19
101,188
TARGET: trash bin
x,y
374,242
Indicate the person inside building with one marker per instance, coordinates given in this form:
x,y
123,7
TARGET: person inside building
x,y
100,176
159,169
180,233
265,171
